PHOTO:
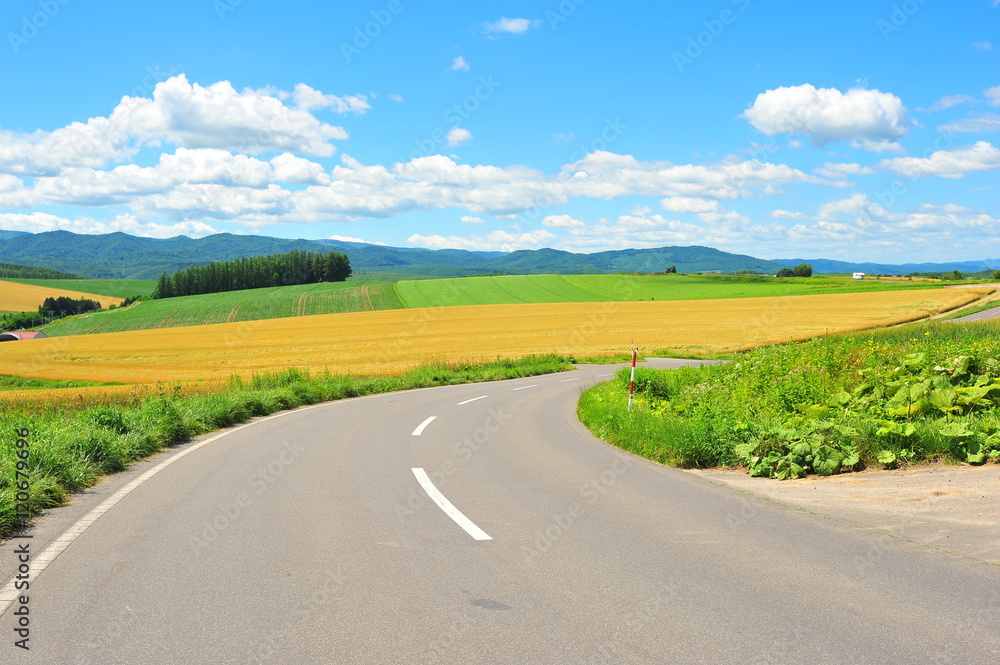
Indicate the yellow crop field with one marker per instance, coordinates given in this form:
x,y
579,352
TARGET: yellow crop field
x,y
15,297
392,341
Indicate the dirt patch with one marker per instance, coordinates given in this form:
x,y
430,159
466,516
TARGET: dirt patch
x,y
950,507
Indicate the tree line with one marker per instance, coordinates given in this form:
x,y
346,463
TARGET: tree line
x,y
255,272
14,271
49,310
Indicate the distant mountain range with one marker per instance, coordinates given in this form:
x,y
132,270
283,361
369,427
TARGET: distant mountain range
x,y
122,256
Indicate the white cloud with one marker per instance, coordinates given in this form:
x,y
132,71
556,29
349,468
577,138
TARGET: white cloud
x,y
987,122
289,168
457,136
459,65
397,98
948,101
515,26
947,163
877,146
38,222
499,240
689,204
468,219
217,116
778,213
992,95
561,221
831,170
93,144
982,46
826,115
308,99
350,239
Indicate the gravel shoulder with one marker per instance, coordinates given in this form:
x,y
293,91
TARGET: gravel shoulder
x,y
953,508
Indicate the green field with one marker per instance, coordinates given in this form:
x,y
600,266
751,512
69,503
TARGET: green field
x,y
506,289
248,305
118,288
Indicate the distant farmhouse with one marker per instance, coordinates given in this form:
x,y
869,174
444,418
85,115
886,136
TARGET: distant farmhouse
x,y
15,336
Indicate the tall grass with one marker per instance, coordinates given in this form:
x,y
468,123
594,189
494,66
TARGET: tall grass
x,y
71,448
845,392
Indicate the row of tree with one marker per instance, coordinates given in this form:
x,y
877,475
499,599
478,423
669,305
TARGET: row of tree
x,y
49,310
295,267
14,271
801,270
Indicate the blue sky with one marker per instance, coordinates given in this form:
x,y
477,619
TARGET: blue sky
x,y
851,130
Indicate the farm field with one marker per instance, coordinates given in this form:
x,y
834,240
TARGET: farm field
x,y
116,288
393,341
509,289
17,297
235,306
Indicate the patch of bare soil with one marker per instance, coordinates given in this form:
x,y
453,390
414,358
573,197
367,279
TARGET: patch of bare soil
x,y
950,507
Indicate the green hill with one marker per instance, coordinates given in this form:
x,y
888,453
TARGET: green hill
x,y
117,288
248,305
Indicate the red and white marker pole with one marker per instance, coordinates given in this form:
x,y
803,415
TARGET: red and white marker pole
x,y
631,383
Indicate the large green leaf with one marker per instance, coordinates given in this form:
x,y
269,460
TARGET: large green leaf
x,y
956,429
827,461
886,457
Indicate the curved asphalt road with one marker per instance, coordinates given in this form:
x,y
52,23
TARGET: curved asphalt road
x,y
308,538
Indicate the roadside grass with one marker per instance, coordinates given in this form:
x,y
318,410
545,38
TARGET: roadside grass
x,y
513,289
972,310
70,449
886,398
234,306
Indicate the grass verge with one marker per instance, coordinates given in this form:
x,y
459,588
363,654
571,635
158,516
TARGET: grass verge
x,y
887,398
70,449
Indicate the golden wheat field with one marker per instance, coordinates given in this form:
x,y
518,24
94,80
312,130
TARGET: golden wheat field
x,y
16,297
391,341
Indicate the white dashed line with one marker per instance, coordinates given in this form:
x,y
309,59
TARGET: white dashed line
x,y
568,380
421,426
472,400
449,509
534,385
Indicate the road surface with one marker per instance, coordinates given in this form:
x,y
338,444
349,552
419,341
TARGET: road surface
x,y
474,524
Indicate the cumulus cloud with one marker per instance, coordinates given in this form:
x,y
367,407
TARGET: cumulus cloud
x,y
468,219
40,153
948,101
308,99
826,115
992,95
778,213
459,65
38,222
514,26
689,204
955,163
502,241
457,136
562,221
831,170
217,116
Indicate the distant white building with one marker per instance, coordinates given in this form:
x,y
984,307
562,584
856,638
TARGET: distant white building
x,y
859,275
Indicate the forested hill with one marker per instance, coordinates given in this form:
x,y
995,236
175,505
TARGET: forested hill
x,y
122,256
